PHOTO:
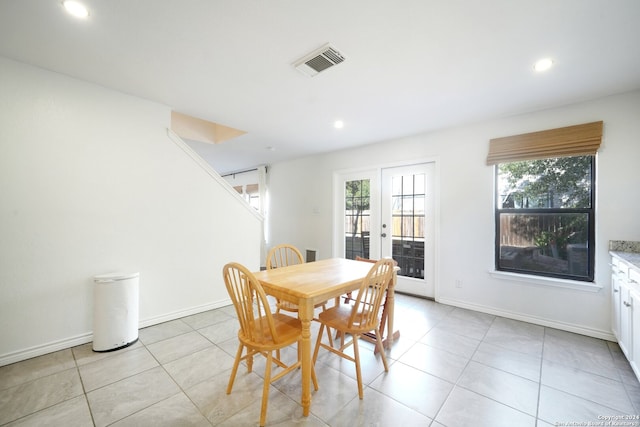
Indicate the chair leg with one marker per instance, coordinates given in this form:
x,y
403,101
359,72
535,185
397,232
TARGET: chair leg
x,y
318,340
339,334
324,308
383,317
329,336
356,353
235,368
381,350
250,361
314,378
265,389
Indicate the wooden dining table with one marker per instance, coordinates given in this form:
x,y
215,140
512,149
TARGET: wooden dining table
x,y
311,283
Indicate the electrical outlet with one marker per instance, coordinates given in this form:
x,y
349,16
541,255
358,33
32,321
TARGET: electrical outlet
x,y
458,283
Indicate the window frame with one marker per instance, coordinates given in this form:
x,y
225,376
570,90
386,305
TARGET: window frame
x,y
536,211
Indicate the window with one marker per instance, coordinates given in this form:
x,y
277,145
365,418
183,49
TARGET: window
x,y
545,217
545,199
252,186
250,193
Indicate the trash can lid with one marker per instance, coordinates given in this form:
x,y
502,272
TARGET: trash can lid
x,y
114,277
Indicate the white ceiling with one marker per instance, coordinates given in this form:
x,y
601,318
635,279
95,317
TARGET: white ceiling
x,y
412,66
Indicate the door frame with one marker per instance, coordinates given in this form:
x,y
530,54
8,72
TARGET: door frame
x,y
374,173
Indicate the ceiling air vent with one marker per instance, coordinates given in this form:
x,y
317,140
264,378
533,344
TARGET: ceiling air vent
x,y
319,60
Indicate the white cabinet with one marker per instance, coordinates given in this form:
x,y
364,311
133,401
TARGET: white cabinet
x,y
616,298
626,316
634,277
634,293
634,359
625,297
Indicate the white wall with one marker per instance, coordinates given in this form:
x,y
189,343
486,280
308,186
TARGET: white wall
x,y
90,183
301,209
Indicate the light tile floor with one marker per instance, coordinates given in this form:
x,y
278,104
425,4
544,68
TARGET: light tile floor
x,y
451,367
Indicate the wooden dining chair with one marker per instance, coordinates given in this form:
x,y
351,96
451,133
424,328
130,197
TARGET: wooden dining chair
x,y
385,309
359,317
261,332
282,256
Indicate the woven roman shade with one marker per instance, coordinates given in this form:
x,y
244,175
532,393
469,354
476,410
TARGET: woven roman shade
x,y
578,140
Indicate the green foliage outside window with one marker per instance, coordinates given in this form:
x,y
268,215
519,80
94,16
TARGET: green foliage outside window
x,y
563,182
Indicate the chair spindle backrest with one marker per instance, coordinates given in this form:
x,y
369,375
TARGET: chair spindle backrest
x,y
250,302
367,304
283,255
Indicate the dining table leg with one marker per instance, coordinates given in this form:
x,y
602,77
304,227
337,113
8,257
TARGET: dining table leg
x,y
305,313
391,334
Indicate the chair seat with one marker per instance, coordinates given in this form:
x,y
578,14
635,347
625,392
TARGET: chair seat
x,y
338,318
287,328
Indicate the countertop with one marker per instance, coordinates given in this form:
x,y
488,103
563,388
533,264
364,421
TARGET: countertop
x,y
632,258
626,250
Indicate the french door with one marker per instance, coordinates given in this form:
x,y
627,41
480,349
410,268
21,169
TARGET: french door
x,y
407,222
389,212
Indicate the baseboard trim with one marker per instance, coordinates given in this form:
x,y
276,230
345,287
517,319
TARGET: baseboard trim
x,y
69,342
39,350
569,327
183,313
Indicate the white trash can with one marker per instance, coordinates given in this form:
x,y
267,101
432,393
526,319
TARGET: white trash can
x,y
115,311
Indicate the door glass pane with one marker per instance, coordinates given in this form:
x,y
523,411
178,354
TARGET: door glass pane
x,y
419,184
407,184
357,216
408,211
396,185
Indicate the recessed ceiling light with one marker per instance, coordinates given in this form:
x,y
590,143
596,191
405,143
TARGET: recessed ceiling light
x,y
75,8
543,65
338,124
